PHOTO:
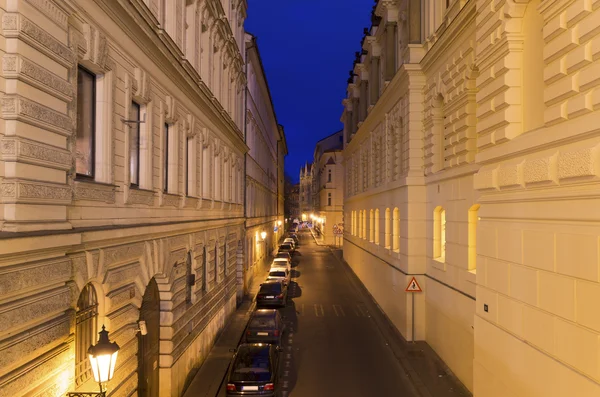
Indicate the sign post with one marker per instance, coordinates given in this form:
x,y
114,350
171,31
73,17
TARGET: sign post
x,y
412,287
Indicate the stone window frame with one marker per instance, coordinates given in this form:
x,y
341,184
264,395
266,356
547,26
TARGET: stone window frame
x,y
82,69
97,62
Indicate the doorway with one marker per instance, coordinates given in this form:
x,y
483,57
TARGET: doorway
x,y
148,344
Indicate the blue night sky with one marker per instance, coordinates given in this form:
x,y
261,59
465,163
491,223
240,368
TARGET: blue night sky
x,y
307,48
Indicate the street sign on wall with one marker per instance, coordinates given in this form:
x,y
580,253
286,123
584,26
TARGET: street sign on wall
x,y
338,228
413,286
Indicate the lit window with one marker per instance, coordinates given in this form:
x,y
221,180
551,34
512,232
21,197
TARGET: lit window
x,y
439,234
134,144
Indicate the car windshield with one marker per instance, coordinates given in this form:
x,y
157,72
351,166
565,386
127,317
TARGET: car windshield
x,y
285,246
262,322
270,288
282,255
277,274
252,364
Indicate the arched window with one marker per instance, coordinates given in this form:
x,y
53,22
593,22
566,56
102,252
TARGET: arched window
x,y
360,224
364,224
371,226
86,332
217,261
377,226
473,219
388,227
439,234
396,230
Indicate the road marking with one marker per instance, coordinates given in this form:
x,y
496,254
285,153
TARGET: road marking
x,y
287,363
288,356
319,312
339,311
285,384
286,373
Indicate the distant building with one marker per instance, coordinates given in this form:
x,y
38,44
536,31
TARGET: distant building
x,y
328,188
264,166
306,191
292,201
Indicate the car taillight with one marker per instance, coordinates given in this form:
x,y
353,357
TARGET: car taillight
x,y
276,333
280,296
230,387
248,333
268,387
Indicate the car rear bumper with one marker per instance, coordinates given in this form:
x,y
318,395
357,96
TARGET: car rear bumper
x,y
250,393
270,302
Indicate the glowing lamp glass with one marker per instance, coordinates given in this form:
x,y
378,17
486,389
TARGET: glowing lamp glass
x,y
263,235
103,357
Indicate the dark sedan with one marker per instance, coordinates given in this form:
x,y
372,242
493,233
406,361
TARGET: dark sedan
x,y
266,326
254,371
286,248
271,293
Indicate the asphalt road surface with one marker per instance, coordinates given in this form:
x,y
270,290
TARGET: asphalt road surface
x,y
333,346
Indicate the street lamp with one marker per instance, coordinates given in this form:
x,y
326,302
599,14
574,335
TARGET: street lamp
x,y
279,223
263,235
103,357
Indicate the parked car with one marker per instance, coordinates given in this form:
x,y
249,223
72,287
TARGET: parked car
x,y
272,293
290,241
286,248
254,371
295,237
285,255
265,326
281,262
282,274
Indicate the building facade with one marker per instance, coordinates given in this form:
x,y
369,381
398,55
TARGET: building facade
x,y
121,199
328,188
306,191
471,164
264,166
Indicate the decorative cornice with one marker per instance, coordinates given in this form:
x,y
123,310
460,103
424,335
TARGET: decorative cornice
x,y
34,192
17,26
15,107
32,152
50,10
18,67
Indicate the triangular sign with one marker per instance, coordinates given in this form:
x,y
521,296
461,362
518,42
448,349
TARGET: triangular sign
x,y
413,286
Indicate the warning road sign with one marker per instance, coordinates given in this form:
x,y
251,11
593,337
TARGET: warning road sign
x,y
413,286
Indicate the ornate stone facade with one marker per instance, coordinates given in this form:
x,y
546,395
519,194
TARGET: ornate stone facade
x,y
164,208
264,167
490,162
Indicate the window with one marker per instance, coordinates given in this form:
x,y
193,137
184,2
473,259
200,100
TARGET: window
x,y
166,158
396,230
388,227
188,277
86,123
204,270
329,199
473,220
439,234
377,226
216,261
329,176
189,170
86,319
371,226
134,144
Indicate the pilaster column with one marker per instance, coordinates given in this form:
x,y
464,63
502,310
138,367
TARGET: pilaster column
x,y
414,21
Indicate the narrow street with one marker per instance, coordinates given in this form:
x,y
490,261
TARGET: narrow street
x,y
336,344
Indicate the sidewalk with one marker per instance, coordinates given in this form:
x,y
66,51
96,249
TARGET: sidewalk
x,y
318,238
211,375
428,372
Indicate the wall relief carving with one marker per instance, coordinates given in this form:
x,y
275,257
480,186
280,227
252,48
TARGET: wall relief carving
x,y
18,108
84,191
16,25
137,196
49,9
123,253
34,192
24,150
16,66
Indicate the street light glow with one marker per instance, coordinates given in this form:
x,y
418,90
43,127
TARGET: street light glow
x,y
263,235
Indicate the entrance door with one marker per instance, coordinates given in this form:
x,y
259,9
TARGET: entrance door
x,y
148,344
